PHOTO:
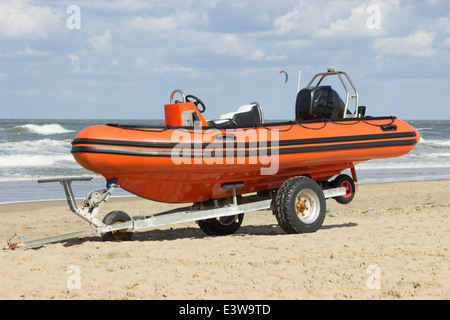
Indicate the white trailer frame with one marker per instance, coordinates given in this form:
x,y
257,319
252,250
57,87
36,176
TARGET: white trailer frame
x,y
95,199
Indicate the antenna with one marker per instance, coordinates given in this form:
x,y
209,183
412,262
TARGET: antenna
x,y
299,75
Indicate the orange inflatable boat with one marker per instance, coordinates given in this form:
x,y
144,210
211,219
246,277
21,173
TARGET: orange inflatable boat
x,y
190,159
232,165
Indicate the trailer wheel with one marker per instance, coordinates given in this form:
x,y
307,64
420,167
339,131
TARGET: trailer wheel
x,y
115,217
345,181
300,205
221,226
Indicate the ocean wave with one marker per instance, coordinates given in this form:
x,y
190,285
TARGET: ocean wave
x,y
400,165
27,160
42,146
445,143
424,129
44,129
440,155
425,156
35,177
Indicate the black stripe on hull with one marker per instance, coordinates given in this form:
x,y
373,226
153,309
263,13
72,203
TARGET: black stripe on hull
x,y
281,143
236,153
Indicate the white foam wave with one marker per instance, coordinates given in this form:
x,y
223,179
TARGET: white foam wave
x,y
43,146
440,155
445,143
27,160
35,177
426,156
400,165
45,129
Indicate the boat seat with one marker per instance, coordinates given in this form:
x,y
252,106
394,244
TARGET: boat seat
x,y
246,115
319,102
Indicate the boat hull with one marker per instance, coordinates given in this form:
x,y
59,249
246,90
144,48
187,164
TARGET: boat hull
x,y
181,165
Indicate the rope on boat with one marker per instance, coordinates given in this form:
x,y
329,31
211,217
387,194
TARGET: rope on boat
x,y
290,123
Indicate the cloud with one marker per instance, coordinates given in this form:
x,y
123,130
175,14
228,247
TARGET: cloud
x,y
100,42
227,43
443,23
20,18
139,62
187,72
447,42
256,55
316,19
116,6
357,24
259,55
73,58
307,17
418,44
28,52
168,23
153,24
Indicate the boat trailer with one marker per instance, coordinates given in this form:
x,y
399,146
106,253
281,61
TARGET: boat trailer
x,y
215,217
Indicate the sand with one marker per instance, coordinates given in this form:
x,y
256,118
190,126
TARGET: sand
x,y
391,242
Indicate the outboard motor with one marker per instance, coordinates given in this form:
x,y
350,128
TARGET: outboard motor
x,y
319,102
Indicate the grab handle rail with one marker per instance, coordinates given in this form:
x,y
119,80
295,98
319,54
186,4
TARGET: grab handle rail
x,y
180,92
330,72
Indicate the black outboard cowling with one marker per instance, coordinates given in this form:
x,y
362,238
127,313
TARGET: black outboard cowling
x,y
321,102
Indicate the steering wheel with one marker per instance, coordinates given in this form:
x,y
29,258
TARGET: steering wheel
x,y
197,102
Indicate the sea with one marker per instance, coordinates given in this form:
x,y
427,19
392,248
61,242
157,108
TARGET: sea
x,y
40,149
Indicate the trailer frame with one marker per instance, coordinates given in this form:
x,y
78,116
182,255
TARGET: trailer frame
x,y
198,211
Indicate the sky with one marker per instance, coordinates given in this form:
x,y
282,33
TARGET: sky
x,y
121,59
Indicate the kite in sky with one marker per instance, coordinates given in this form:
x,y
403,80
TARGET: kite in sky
x,y
286,76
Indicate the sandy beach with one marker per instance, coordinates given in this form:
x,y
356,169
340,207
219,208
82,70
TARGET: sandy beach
x,y
391,242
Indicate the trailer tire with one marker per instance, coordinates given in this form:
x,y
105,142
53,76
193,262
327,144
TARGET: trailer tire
x,y
221,226
345,181
300,205
112,218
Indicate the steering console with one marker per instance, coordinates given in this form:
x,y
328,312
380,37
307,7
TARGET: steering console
x,y
189,98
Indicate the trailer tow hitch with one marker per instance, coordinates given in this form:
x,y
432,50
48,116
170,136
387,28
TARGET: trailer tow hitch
x,y
10,245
